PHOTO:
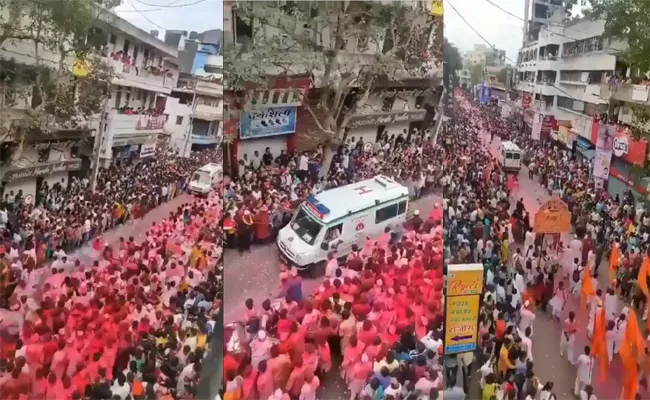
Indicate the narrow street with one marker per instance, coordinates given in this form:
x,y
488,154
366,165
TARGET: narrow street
x,y
546,332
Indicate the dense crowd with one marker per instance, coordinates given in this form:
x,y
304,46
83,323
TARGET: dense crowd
x,y
380,311
261,199
67,216
487,222
137,322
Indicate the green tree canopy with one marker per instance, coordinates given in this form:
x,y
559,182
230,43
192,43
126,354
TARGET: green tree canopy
x,y
628,21
52,34
315,38
453,63
476,73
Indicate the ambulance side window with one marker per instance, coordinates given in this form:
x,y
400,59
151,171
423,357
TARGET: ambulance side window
x,y
386,213
402,208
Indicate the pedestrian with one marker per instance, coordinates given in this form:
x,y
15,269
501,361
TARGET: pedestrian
x,y
568,337
584,363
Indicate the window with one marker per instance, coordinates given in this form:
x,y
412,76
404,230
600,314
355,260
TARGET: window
x,y
135,54
515,156
386,213
387,106
118,98
179,120
43,153
402,207
508,156
127,44
166,117
112,39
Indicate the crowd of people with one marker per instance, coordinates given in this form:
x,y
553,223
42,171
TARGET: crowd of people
x,y
260,200
68,215
380,312
486,222
134,324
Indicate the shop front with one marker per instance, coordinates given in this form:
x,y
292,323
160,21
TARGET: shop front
x,y
628,154
29,178
372,127
585,149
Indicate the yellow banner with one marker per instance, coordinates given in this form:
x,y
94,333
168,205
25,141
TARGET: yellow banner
x,y
461,324
463,290
437,8
80,68
464,282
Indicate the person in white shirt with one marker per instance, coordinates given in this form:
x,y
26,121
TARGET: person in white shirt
x,y
120,387
587,393
585,366
526,319
526,343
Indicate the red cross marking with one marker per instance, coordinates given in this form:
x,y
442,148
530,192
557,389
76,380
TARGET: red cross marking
x,y
363,190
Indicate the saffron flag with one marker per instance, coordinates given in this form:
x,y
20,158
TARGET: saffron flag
x,y
613,262
587,289
599,344
630,372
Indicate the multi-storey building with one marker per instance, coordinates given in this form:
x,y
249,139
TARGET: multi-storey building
x,y
569,76
397,108
145,70
194,111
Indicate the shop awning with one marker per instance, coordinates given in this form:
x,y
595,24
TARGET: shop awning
x,y
584,144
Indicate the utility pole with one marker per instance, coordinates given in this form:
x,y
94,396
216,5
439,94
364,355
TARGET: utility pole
x,y
99,139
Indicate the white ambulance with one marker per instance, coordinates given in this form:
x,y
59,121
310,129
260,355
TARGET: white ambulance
x,y
510,156
336,219
206,178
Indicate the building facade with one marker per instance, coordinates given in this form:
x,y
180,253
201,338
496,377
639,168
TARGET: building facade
x,y
144,69
570,78
194,113
287,93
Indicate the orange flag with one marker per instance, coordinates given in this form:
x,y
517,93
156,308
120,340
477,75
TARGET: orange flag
x,y
587,288
613,262
599,344
630,374
633,337
643,276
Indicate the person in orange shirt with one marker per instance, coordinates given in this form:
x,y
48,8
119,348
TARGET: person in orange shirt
x,y
504,364
296,379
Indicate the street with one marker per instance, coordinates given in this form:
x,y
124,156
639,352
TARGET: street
x,y
549,365
255,275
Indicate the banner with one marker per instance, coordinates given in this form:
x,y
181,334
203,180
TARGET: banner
x,y
604,150
553,217
538,121
632,151
462,299
526,101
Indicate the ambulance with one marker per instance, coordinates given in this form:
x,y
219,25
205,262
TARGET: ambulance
x,y
510,156
336,219
206,178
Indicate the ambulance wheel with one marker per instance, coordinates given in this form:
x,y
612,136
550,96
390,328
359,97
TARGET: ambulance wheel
x,y
317,270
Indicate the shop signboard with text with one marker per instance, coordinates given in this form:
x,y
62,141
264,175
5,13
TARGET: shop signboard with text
x,y
271,121
358,121
462,298
625,147
41,170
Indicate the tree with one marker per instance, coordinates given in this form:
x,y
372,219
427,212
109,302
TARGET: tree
x,y
476,73
312,38
627,20
41,94
453,62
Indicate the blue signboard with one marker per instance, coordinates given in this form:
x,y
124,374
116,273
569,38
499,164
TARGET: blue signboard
x,y
268,122
486,93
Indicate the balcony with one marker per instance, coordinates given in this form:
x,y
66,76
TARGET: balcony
x,y
525,86
626,92
123,125
546,89
548,63
146,78
207,112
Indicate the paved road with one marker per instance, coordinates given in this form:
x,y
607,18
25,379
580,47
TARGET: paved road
x,y
255,275
546,332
